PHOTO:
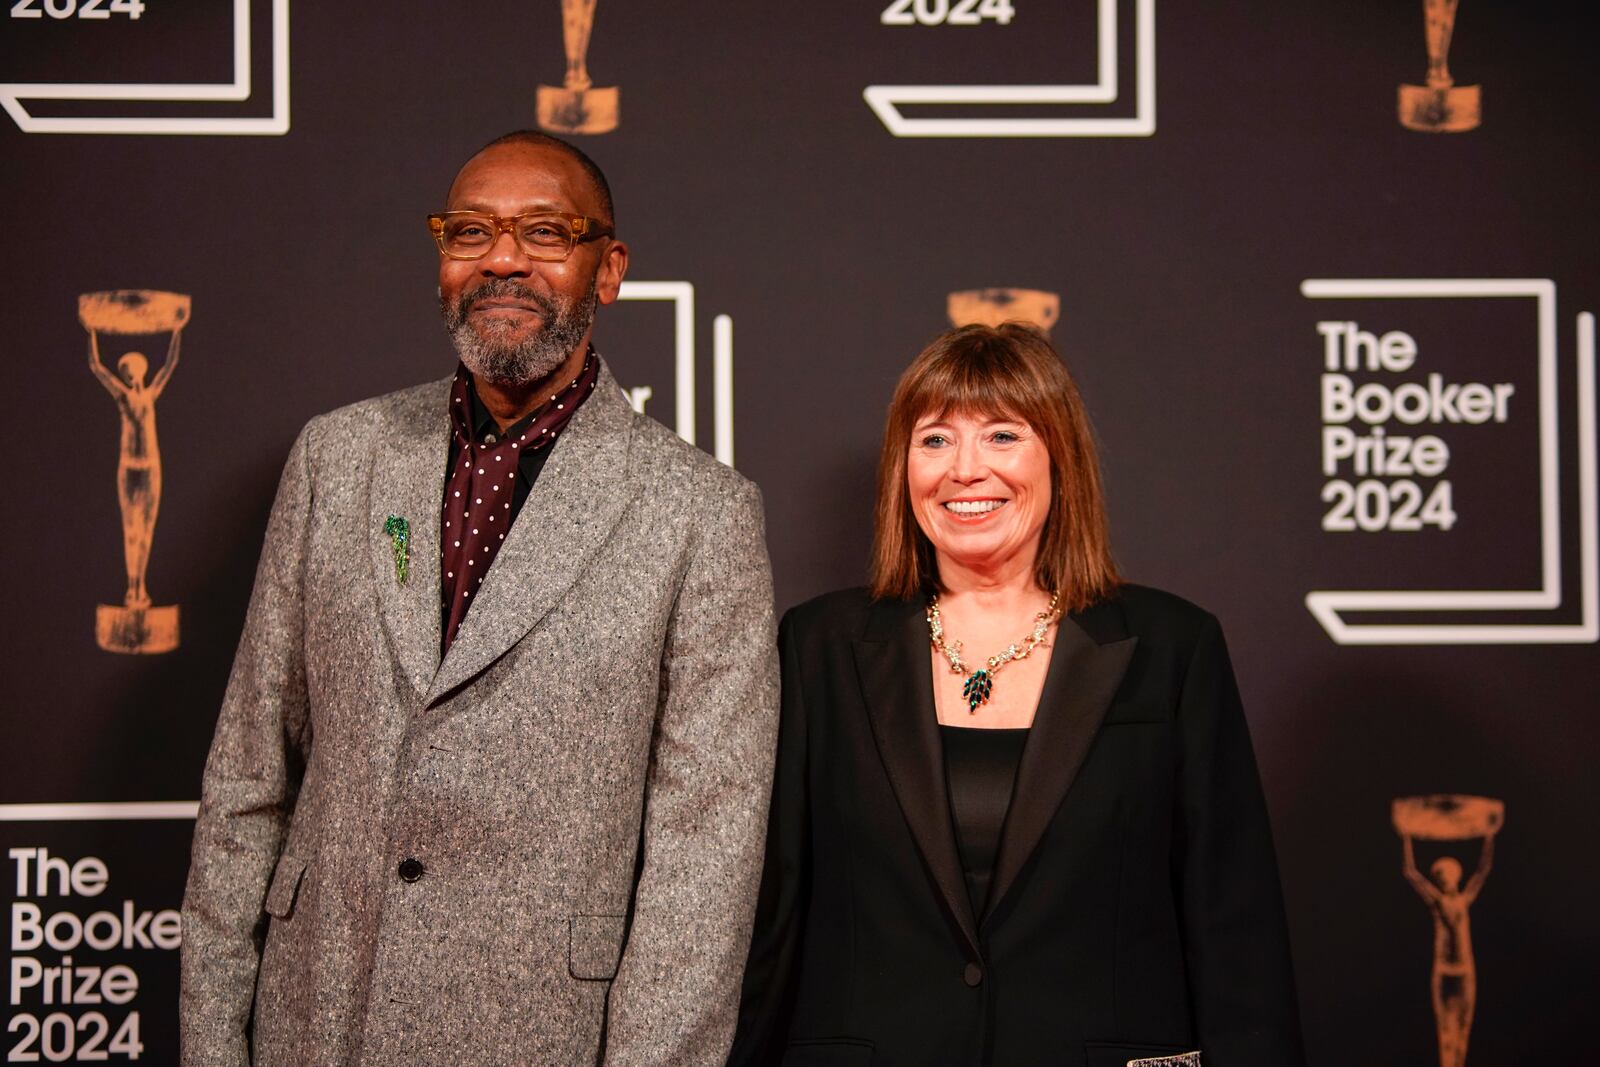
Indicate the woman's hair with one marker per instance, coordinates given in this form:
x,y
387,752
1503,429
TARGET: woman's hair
x,y
1009,371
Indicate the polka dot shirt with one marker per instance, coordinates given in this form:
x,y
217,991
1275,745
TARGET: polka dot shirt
x,y
481,498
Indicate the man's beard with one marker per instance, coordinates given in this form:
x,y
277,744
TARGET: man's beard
x,y
493,356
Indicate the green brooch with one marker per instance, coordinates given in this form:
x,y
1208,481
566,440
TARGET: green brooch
x,y
399,532
979,685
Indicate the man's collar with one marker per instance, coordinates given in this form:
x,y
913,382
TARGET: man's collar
x,y
482,421
485,430
483,425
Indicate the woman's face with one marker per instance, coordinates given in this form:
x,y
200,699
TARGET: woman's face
x,y
980,488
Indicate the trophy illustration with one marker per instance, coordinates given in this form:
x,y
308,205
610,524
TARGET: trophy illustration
x,y
991,307
577,106
1441,106
1450,817
136,625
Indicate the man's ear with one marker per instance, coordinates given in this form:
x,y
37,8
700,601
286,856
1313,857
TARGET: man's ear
x,y
613,267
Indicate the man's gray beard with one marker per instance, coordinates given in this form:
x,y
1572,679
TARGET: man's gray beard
x,y
496,359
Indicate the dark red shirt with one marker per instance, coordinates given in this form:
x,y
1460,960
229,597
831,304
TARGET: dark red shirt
x,y
490,474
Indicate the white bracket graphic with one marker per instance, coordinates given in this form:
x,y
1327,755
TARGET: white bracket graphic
x,y
12,94
1330,606
886,100
682,296
153,809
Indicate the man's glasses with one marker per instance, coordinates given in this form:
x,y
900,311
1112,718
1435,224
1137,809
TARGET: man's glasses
x,y
544,235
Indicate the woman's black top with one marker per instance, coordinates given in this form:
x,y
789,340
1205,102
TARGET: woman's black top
x,y
1133,908
980,768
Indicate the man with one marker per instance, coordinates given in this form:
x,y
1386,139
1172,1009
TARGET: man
x,y
490,780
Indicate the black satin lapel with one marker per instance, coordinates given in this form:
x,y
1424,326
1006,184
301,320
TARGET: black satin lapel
x,y
1078,688
893,671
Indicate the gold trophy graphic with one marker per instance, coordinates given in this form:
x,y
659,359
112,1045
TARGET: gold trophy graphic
x,y
991,307
1450,817
1441,106
136,625
577,106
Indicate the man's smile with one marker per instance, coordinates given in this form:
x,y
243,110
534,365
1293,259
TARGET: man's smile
x,y
504,304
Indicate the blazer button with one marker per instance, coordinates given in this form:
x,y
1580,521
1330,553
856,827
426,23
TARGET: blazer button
x,y
410,869
973,975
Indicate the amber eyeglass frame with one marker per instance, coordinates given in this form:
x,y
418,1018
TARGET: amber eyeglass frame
x,y
583,229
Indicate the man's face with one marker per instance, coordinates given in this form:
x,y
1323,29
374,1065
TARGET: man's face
x,y
515,320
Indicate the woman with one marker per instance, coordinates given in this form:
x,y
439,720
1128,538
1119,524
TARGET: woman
x,y
1016,818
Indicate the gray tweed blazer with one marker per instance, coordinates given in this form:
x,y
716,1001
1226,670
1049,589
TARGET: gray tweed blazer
x,y
583,779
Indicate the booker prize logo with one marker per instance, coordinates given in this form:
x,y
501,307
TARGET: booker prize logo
x,y
168,47
991,307
1450,820
1440,106
1065,108
94,930
1441,450
137,624
577,106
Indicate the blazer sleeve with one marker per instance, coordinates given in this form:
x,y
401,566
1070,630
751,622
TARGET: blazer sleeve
x,y
252,777
767,1003
1236,945
675,997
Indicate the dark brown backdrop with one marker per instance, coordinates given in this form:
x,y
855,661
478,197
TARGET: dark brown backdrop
x,y
748,165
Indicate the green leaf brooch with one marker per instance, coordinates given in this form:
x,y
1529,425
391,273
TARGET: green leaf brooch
x,y
399,532
977,689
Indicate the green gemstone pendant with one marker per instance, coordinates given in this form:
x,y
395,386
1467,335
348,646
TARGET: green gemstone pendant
x,y
980,683
399,532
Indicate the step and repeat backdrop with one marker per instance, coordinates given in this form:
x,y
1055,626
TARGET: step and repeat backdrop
x,y
1324,270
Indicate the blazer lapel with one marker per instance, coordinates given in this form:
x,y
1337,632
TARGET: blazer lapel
x,y
892,667
1079,685
577,501
408,483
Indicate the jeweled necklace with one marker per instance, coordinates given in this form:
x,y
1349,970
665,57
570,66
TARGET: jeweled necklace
x,y
980,683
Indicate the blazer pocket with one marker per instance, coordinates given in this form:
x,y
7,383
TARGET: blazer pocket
x,y
1121,1054
844,1052
285,884
594,946
1136,717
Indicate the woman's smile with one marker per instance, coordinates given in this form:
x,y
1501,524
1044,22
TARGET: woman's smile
x,y
973,510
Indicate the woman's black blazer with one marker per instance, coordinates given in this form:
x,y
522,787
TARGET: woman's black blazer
x,y
1134,909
